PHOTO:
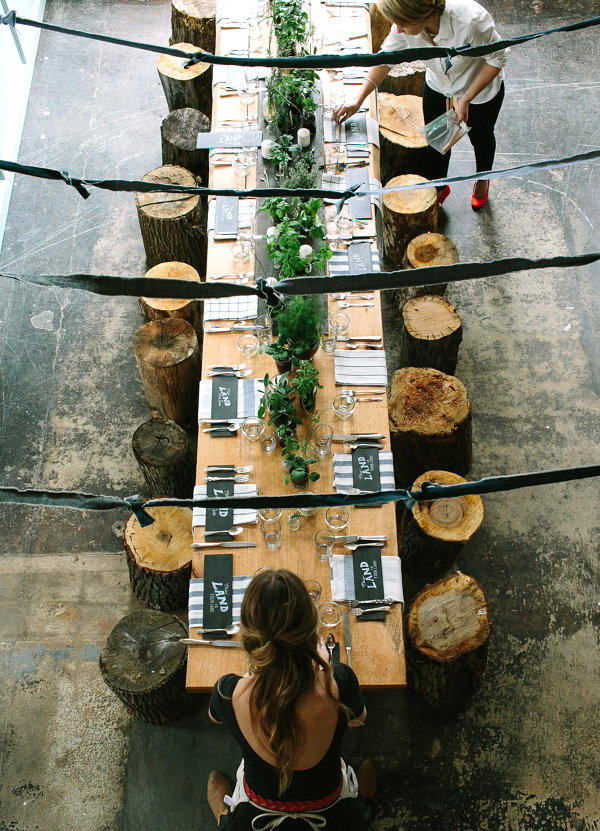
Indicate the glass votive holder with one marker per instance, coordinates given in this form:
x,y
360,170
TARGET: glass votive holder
x,y
340,323
263,328
328,338
323,436
323,545
330,613
248,345
241,163
268,441
271,531
269,513
253,428
337,518
293,521
344,406
241,249
313,587
345,225
307,512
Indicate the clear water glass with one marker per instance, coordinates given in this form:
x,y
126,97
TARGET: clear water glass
x,y
242,249
330,613
345,225
271,531
253,428
337,518
328,338
323,435
248,345
268,441
344,406
340,323
293,521
269,513
264,329
323,545
313,587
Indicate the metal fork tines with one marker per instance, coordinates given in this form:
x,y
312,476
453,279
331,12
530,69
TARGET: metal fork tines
x,y
227,469
237,478
359,612
381,601
230,373
232,368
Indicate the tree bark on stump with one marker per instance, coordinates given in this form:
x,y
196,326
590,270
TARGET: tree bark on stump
x,y
179,132
402,148
168,359
161,308
159,557
144,664
173,225
166,457
193,21
426,250
430,423
448,625
433,534
186,87
405,79
380,28
406,214
431,334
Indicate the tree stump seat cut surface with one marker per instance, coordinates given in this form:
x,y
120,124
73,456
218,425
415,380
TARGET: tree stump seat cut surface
x,y
159,308
144,664
193,21
405,78
402,148
179,136
159,557
431,334
406,214
166,457
430,423
429,249
448,625
435,532
183,86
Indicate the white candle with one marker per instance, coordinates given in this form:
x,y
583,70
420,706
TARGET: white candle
x,y
305,252
303,137
273,231
265,148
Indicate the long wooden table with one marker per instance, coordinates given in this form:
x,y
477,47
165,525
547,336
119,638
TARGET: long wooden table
x,y
377,647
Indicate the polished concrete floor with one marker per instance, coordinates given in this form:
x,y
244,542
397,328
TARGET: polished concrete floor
x,y
524,753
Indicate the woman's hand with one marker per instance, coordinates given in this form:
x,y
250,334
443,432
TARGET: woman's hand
x,y
322,649
461,108
344,111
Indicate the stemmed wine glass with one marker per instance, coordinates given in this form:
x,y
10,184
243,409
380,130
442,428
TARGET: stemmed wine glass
x,y
247,91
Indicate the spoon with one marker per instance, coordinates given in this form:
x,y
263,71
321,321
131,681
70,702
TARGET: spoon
x,y
233,532
338,296
233,428
352,344
232,629
330,643
344,305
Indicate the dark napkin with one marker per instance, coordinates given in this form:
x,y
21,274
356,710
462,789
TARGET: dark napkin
x,y
224,401
217,610
218,519
368,578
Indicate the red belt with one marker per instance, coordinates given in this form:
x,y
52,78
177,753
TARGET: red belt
x,y
291,807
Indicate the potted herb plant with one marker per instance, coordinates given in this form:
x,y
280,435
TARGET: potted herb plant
x,y
306,384
298,321
278,400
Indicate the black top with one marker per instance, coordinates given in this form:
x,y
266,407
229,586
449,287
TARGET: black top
x,y
313,783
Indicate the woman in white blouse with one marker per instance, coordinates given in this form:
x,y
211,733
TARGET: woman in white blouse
x,y
476,84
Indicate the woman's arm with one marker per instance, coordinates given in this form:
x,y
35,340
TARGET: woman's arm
x,y
480,82
371,82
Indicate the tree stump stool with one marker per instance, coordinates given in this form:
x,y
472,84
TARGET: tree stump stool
x,y
423,251
186,87
380,28
168,359
144,664
430,423
432,535
405,79
173,225
449,625
402,148
161,308
406,214
159,557
166,457
193,21
179,133
431,334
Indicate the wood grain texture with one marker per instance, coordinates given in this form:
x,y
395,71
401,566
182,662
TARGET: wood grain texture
x,y
406,214
166,457
402,148
427,249
179,134
431,334
186,86
405,79
193,21
161,308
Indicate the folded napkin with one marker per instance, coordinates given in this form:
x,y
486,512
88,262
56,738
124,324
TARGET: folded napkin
x,y
338,264
249,395
231,308
342,471
240,515
342,577
360,367
196,599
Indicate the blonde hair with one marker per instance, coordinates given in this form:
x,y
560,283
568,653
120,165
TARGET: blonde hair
x,y
411,11
279,633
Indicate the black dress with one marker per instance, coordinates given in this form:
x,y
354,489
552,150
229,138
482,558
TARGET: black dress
x,y
311,784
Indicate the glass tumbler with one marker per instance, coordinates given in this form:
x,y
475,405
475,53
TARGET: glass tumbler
x,y
264,329
248,345
313,587
344,406
323,545
271,531
328,338
268,441
323,435
269,513
330,613
337,518
340,323
253,428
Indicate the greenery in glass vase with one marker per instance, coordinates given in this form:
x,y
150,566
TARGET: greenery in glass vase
x,y
290,94
306,383
278,400
290,23
299,320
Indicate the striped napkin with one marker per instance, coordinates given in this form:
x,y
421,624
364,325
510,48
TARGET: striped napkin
x,y
338,264
363,367
342,471
249,395
241,516
342,577
196,599
246,210
231,308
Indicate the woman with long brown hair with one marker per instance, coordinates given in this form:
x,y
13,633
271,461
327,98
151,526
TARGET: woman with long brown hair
x,y
288,714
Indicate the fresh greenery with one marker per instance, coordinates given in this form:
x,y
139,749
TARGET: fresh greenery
x,y
298,468
278,400
297,221
306,383
298,320
291,98
297,167
291,26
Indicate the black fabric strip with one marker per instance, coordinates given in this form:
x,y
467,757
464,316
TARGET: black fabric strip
x,y
374,281
310,61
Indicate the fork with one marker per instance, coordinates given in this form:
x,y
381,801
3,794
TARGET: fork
x,y
230,374
337,296
239,480
343,305
233,367
215,468
359,612
246,275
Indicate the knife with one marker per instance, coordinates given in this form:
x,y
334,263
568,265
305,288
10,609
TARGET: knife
x,y
353,436
347,637
361,538
232,544
210,643
352,546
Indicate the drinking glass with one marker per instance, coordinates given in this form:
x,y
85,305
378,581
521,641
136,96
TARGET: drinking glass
x,y
240,167
324,545
328,338
340,322
330,613
269,513
337,518
268,441
249,145
345,225
253,428
271,531
247,91
248,345
264,329
344,406
313,587
242,248
323,435
293,521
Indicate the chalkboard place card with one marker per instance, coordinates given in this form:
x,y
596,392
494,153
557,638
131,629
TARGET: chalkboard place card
x,y
226,138
360,260
368,579
217,610
224,401
365,469
356,129
360,206
226,219
219,519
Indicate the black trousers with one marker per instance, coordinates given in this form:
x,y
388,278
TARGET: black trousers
x,y
482,119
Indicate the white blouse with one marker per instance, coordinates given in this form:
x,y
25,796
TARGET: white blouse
x,y
462,22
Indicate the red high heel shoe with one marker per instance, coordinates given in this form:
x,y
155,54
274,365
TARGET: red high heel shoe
x,y
443,194
477,202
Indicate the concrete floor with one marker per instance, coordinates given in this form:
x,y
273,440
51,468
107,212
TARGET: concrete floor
x,y
524,754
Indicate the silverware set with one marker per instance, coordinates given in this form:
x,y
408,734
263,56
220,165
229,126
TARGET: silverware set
x,y
244,277
233,373
343,305
235,327
228,469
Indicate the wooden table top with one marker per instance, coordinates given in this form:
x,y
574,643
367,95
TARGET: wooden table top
x,y
377,647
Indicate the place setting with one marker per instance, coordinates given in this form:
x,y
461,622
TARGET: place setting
x,y
225,400
223,526
214,604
